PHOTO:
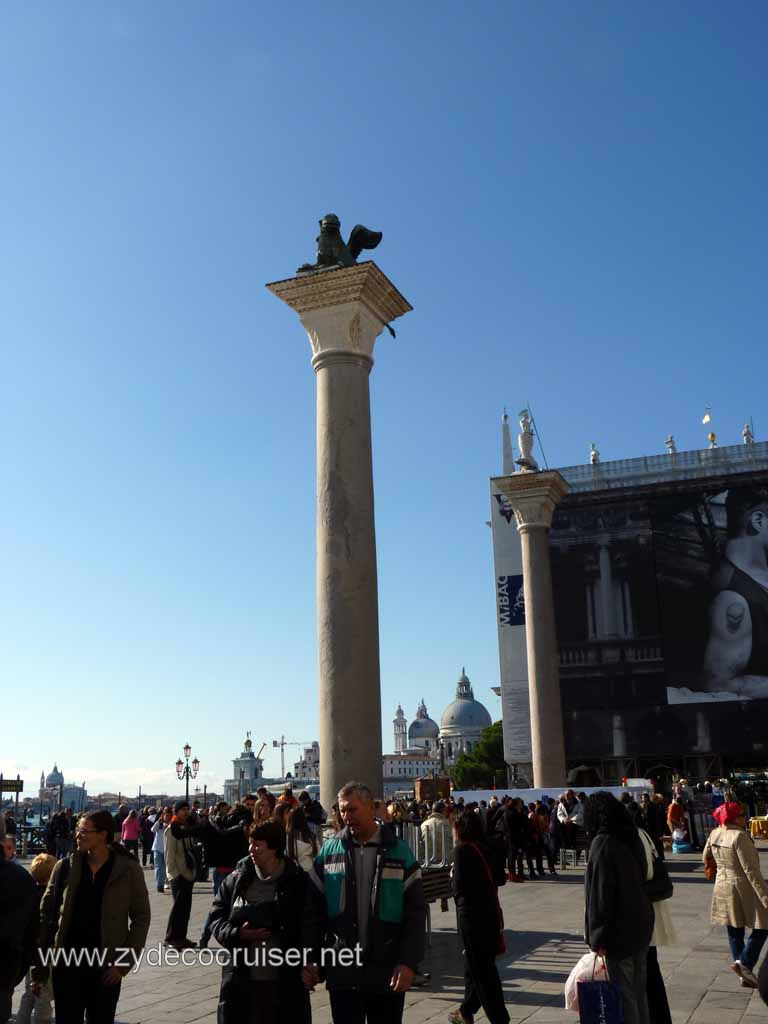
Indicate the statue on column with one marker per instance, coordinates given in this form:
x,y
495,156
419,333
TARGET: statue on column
x,y
333,251
594,454
525,439
671,445
749,437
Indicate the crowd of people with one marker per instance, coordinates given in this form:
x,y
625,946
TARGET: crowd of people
x,y
345,893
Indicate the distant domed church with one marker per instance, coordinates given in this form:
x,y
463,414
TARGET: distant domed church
x,y
461,726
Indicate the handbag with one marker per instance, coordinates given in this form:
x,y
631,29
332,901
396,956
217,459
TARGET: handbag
x,y
501,946
710,869
660,886
600,1002
584,970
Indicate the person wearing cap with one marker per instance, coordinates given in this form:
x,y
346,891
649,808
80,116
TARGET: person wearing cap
x,y
180,868
740,897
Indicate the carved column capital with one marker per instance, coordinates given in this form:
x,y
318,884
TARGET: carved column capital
x,y
343,311
533,497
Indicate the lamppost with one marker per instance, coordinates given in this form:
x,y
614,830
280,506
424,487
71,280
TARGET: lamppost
x,y
185,771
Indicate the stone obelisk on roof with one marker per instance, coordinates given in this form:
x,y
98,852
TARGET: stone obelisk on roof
x,y
344,306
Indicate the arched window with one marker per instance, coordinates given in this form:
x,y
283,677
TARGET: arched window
x,y
450,749
469,747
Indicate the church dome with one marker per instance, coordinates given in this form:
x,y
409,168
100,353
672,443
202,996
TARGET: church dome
x,y
423,727
55,778
465,712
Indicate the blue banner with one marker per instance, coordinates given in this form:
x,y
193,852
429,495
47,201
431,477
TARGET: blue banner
x,y
510,600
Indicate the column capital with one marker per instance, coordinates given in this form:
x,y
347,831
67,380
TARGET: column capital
x,y
533,496
343,310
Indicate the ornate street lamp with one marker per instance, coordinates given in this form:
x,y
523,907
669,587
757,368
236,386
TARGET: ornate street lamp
x,y
183,769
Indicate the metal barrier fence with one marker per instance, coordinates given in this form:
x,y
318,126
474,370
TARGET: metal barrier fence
x,y
433,849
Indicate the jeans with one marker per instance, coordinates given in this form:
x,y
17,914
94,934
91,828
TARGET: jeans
x,y
353,1006
35,1008
747,953
630,974
218,878
159,870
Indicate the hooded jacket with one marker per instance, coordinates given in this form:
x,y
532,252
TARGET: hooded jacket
x,y
396,927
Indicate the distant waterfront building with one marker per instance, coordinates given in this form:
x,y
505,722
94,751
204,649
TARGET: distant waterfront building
x,y
56,793
248,773
462,722
308,768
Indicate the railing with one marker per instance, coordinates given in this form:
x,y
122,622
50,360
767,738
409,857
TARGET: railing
x,y
435,850
30,840
593,652
700,462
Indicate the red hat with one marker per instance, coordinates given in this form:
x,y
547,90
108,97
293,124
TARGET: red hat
x,y
726,814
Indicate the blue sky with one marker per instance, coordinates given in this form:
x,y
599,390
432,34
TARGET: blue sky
x,y
573,199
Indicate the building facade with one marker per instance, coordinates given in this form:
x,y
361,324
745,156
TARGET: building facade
x,y
646,553
247,773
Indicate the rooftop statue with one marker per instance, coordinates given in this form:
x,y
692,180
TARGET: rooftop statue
x,y
333,251
525,440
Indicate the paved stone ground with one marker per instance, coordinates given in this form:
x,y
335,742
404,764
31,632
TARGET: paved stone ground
x,y
544,923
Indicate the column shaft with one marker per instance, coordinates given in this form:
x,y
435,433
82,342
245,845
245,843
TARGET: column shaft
x,y
547,745
347,603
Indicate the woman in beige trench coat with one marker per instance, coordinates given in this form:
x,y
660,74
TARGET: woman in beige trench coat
x,y
740,899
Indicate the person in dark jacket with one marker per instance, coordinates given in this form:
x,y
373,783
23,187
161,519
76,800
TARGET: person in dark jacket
x,y
480,922
225,846
618,913
262,907
96,900
366,886
37,1000
515,827
18,927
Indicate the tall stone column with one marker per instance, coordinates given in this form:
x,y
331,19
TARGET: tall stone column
x,y
534,497
343,312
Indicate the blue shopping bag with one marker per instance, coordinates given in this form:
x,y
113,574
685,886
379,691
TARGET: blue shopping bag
x,y
600,1003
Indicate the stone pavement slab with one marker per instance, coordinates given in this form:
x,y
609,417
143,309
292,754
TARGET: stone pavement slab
x,y
544,926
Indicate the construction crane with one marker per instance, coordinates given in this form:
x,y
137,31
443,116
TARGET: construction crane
x,y
283,743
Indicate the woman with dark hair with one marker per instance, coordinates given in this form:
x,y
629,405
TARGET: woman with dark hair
x,y
96,900
618,913
301,842
740,899
480,922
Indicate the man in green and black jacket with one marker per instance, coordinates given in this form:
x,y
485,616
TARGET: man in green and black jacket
x,y
366,884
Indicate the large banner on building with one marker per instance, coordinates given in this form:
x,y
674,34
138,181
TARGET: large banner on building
x,y
711,553
510,621
662,618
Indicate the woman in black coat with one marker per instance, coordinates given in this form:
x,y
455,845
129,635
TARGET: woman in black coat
x,y
480,923
262,906
618,919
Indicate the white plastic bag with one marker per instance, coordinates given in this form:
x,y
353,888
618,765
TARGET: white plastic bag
x,y
678,835
591,967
